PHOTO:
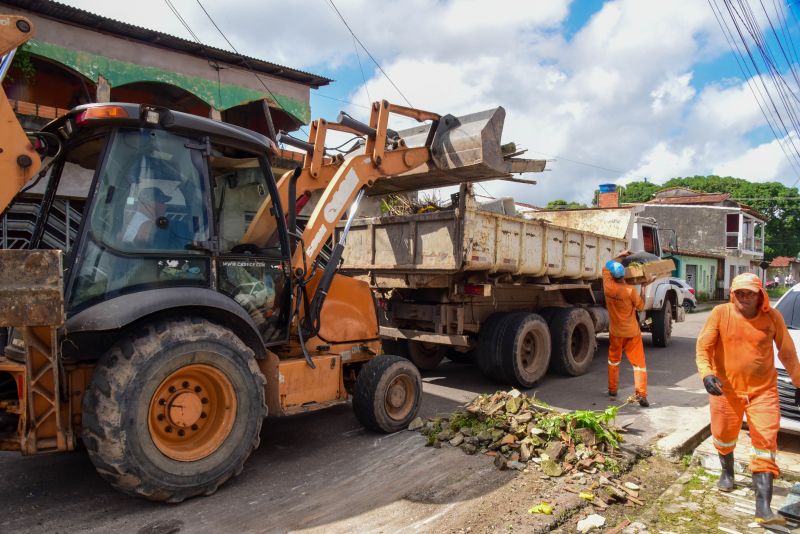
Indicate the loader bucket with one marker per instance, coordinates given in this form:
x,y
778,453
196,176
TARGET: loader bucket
x,y
463,149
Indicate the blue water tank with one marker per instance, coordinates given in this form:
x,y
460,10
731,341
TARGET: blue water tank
x,y
608,188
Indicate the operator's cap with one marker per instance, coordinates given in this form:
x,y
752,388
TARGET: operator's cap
x,y
615,268
153,194
750,282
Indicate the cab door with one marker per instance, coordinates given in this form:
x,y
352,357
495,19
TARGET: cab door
x,y
258,278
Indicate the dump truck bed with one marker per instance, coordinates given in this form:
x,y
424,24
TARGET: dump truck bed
x,y
469,239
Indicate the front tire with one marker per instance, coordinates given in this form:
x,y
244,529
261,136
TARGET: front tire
x,y
174,411
662,325
387,394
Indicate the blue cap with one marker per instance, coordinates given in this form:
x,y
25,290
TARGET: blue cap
x,y
615,268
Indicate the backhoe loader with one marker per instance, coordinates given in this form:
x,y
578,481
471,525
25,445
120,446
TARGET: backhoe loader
x,y
189,306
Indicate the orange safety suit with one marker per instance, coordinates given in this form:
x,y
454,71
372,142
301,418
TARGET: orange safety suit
x,y
622,301
738,351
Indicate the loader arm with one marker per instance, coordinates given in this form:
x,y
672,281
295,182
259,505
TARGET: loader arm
x,y
19,161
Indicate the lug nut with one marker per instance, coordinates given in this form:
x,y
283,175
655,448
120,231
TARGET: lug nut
x,y
198,389
203,415
185,385
194,427
172,389
162,402
204,400
160,417
168,429
181,432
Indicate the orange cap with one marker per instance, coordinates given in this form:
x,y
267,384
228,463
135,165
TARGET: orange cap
x,y
751,282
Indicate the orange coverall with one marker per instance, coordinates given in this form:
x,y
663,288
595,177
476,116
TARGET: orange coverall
x,y
739,352
622,302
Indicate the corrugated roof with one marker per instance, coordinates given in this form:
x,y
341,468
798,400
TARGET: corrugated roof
x,y
712,198
782,261
79,17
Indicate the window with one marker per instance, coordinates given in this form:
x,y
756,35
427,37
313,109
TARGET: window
x,y
148,223
789,307
732,230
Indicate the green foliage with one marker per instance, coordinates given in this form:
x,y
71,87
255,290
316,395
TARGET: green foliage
x,y
22,62
777,292
564,205
701,296
612,466
597,421
686,461
638,192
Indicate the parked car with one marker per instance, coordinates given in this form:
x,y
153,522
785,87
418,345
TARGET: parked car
x,y
789,306
689,299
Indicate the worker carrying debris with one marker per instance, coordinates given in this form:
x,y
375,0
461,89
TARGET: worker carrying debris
x,y
736,362
623,301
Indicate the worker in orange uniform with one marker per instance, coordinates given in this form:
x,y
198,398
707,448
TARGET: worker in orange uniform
x,y
736,362
623,301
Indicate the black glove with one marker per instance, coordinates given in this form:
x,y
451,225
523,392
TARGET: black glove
x,y
797,397
713,385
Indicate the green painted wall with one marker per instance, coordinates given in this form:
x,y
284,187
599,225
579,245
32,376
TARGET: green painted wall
x,y
119,73
706,269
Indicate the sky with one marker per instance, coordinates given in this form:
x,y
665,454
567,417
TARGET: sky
x,y
607,91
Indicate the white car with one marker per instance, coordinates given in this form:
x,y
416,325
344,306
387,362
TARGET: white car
x,y
789,306
689,298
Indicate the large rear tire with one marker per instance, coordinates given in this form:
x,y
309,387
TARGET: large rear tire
x,y
387,394
662,325
524,349
488,353
174,411
574,341
426,356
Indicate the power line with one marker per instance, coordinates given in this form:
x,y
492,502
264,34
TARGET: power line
x,y
368,52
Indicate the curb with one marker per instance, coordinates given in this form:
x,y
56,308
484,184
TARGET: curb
x,y
683,441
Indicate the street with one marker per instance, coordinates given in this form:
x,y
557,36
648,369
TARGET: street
x,y
323,472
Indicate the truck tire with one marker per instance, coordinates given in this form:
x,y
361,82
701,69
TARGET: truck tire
x,y
387,394
174,411
426,356
662,325
488,352
460,357
574,341
524,349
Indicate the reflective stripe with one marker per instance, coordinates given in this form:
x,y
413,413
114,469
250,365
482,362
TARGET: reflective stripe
x,y
639,369
761,453
723,444
615,364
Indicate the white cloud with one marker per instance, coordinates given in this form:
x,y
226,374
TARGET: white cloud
x,y
617,95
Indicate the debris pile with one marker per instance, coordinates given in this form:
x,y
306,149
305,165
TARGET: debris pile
x,y
521,432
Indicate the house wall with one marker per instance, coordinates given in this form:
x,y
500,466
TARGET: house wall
x,y
735,266
706,271
698,228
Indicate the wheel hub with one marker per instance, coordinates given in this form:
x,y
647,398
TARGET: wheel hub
x,y
399,398
192,412
397,395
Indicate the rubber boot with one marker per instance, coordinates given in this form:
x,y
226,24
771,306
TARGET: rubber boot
x,y
726,481
762,483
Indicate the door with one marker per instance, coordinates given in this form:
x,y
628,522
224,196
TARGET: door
x,y
256,277
691,275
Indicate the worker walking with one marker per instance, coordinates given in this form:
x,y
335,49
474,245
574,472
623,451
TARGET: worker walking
x,y
623,301
736,362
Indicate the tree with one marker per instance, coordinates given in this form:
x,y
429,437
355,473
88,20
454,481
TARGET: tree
x,y
638,192
564,205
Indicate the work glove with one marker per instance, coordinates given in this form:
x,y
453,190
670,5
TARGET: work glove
x,y
713,385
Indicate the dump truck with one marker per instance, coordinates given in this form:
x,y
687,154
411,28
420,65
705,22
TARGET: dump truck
x,y
516,294
189,306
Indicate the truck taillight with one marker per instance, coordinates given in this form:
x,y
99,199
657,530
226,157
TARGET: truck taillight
x,y
478,290
101,112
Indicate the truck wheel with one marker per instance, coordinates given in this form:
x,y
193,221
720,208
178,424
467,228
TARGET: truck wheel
x,y
460,357
574,341
524,349
174,411
662,325
387,394
426,356
488,352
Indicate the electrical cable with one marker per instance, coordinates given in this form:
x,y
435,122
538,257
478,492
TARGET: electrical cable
x,y
368,52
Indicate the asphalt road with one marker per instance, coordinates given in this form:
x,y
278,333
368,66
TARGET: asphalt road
x,y
322,472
